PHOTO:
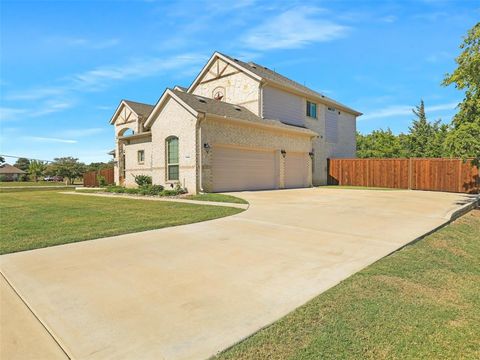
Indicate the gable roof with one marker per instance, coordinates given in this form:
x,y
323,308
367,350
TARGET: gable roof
x,y
141,109
270,76
221,109
9,169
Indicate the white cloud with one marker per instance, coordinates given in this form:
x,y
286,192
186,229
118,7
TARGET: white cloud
x,y
94,44
389,19
49,140
293,28
102,77
403,110
76,133
9,113
40,109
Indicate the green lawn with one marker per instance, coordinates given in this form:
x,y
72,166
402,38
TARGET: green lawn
x,y
422,302
217,197
35,219
30,183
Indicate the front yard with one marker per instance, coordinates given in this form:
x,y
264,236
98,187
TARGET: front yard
x,y
422,302
36,219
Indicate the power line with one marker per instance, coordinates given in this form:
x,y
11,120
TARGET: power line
x,y
18,157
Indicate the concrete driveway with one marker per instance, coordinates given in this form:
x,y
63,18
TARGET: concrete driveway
x,y
190,291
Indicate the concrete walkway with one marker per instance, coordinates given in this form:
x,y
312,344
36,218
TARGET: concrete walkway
x,y
187,292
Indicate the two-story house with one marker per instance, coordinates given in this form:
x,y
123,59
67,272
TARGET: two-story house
x,y
239,126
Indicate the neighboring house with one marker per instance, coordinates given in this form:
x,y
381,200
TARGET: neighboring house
x,y
239,126
10,173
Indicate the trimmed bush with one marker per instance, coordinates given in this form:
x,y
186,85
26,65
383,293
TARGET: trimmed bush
x,y
143,180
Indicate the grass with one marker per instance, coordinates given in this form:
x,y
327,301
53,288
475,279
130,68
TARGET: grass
x,y
30,183
217,197
350,187
36,219
422,302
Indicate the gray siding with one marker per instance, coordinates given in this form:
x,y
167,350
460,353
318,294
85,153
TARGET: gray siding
x,y
280,105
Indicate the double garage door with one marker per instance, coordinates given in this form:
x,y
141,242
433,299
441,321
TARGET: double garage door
x,y
236,169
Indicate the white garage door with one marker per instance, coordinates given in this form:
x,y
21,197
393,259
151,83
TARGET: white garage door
x,y
242,169
296,170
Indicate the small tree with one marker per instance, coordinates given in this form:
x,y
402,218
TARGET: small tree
x,y
22,164
67,167
36,169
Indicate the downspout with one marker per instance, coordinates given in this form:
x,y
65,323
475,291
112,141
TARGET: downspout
x,y
201,117
260,99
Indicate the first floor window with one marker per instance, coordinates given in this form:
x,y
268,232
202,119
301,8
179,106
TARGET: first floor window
x,y
172,159
311,109
141,156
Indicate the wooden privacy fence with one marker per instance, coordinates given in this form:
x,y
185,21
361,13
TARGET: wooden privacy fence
x,y
91,178
450,175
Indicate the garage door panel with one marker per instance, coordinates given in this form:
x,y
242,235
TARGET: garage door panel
x,y
243,169
296,170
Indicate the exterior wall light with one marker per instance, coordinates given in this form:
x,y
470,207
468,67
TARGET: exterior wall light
x,y
206,146
283,152
311,153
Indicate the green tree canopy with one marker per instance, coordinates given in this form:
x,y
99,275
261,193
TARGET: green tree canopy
x,y
36,168
464,140
22,164
67,167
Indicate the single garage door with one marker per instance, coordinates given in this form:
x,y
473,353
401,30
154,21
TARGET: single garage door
x,y
296,170
242,169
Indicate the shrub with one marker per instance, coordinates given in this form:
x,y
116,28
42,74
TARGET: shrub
x,y
152,189
131,191
115,189
101,180
170,193
143,180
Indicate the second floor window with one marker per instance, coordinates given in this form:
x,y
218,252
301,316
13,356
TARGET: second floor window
x,y
172,159
311,109
141,156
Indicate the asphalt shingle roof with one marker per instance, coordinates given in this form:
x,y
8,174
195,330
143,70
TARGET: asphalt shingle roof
x,y
140,109
9,169
270,75
227,110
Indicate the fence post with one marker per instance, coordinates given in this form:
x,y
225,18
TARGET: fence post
x,y
410,173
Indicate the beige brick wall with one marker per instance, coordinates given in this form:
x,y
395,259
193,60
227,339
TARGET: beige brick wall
x,y
132,166
175,120
240,89
126,120
220,132
319,176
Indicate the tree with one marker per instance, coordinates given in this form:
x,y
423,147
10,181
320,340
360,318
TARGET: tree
x,y
467,77
36,169
380,143
2,160
420,132
96,166
22,164
67,167
463,140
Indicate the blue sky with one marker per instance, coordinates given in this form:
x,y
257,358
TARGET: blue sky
x,y
65,65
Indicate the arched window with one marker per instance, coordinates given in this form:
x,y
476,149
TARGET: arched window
x,y
172,158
